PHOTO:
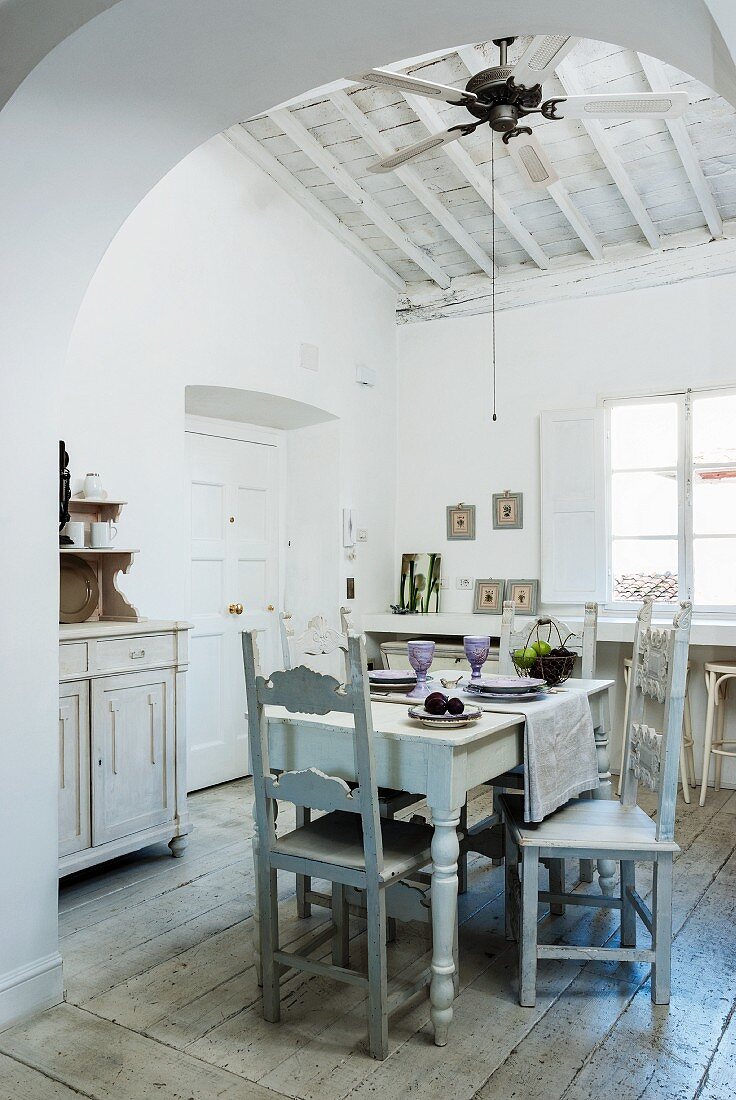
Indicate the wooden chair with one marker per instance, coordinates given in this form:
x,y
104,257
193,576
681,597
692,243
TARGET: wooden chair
x,y
617,830
350,845
584,643
718,676
320,640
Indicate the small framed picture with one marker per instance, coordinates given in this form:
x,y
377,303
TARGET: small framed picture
x,y
461,521
524,595
508,510
488,597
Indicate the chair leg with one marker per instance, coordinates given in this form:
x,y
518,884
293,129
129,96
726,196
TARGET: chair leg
x,y
256,913
511,879
688,721
557,885
269,926
528,937
377,972
628,913
683,775
340,926
303,882
710,683
586,870
720,727
462,863
391,923
662,929
623,738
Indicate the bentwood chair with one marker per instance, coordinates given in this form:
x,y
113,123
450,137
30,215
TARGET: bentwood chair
x,y
350,845
314,645
601,828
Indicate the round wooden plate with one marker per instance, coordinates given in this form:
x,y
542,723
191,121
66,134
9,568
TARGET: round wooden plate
x,y
78,590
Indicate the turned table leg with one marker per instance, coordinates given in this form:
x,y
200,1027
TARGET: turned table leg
x,y
445,851
606,867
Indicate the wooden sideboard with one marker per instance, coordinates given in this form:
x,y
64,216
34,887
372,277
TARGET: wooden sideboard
x,y
122,739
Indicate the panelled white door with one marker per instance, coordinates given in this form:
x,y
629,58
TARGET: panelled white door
x,y
234,586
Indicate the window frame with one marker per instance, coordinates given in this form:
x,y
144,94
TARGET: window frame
x,y
683,399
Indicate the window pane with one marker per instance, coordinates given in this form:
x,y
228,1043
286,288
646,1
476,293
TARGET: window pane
x,y
643,435
714,429
714,575
644,504
642,568
714,502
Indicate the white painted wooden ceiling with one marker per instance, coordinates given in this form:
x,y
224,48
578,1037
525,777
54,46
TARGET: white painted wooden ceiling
x,y
674,191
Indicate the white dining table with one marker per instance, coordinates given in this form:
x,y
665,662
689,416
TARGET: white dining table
x,y
440,765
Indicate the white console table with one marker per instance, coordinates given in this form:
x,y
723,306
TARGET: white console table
x,y
122,739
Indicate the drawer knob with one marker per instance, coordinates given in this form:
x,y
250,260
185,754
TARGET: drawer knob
x,y
136,654
236,609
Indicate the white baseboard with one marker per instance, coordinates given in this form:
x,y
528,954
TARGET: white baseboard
x,y
30,989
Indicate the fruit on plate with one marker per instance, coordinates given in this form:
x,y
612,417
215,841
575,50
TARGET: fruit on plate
x,y
436,703
542,649
455,706
525,658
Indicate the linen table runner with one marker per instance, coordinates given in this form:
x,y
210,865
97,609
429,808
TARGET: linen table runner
x,y
559,752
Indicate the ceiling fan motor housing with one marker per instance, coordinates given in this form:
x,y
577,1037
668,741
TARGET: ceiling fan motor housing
x,y
500,101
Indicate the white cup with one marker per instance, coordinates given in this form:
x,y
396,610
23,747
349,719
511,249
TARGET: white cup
x,y
93,486
101,534
75,531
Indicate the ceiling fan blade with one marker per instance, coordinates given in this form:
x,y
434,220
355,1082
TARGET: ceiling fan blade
x,y
628,105
418,149
533,164
414,86
539,59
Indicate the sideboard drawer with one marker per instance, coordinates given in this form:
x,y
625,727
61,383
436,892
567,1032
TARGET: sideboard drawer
x,y
145,651
72,659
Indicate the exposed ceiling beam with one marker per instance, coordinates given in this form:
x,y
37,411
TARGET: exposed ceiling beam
x,y
572,85
342,179
630,267
470,171
413,182
474,62
659,82
246,144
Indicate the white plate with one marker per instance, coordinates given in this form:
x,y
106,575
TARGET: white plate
x,y
519,697
502,685
446,721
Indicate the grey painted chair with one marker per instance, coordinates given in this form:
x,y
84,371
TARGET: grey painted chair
x,y
611,829
351,846
320,640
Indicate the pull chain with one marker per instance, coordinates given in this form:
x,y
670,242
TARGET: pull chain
x,y
493,269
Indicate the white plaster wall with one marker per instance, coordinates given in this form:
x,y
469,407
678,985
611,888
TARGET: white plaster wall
x,y
216,279
567,355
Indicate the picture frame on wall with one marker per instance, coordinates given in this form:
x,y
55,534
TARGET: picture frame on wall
x,y
488,597
508,510
461,521
524,594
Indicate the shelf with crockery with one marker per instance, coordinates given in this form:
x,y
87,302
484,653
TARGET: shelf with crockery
x,y
89,589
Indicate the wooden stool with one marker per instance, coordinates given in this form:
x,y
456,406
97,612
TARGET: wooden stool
x,y
717,676
687,758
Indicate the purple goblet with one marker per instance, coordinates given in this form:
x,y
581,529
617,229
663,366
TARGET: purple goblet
x,y
420,658
476,650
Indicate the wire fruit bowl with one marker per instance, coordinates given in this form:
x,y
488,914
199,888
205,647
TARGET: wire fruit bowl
x,y
538,657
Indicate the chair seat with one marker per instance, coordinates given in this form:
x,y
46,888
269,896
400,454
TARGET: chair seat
x,y
337,838
597,823
724,667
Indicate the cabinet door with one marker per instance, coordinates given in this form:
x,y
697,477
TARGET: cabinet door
x,y
75,831
132,753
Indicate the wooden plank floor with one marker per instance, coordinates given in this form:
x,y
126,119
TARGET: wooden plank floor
x,y
162,998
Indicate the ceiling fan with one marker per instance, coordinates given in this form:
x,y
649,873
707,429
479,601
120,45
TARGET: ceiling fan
x,y
500,98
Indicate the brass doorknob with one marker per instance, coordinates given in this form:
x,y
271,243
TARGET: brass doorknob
x,y
236,609
270,607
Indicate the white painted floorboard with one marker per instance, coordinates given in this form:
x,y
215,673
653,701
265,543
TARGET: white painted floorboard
x,y
163,1000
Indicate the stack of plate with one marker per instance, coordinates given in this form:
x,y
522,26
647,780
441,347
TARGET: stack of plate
x,y
445,721
392,679
505,689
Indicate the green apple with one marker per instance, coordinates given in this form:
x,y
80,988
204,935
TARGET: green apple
x,y
541,648
525,658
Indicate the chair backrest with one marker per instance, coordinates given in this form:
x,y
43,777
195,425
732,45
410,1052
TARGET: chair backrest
x,y
659,675
583,642
302,690
318,640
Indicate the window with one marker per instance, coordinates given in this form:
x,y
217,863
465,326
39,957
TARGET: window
x,y
672,499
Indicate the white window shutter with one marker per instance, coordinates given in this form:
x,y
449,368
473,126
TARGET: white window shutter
x,y
573,506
